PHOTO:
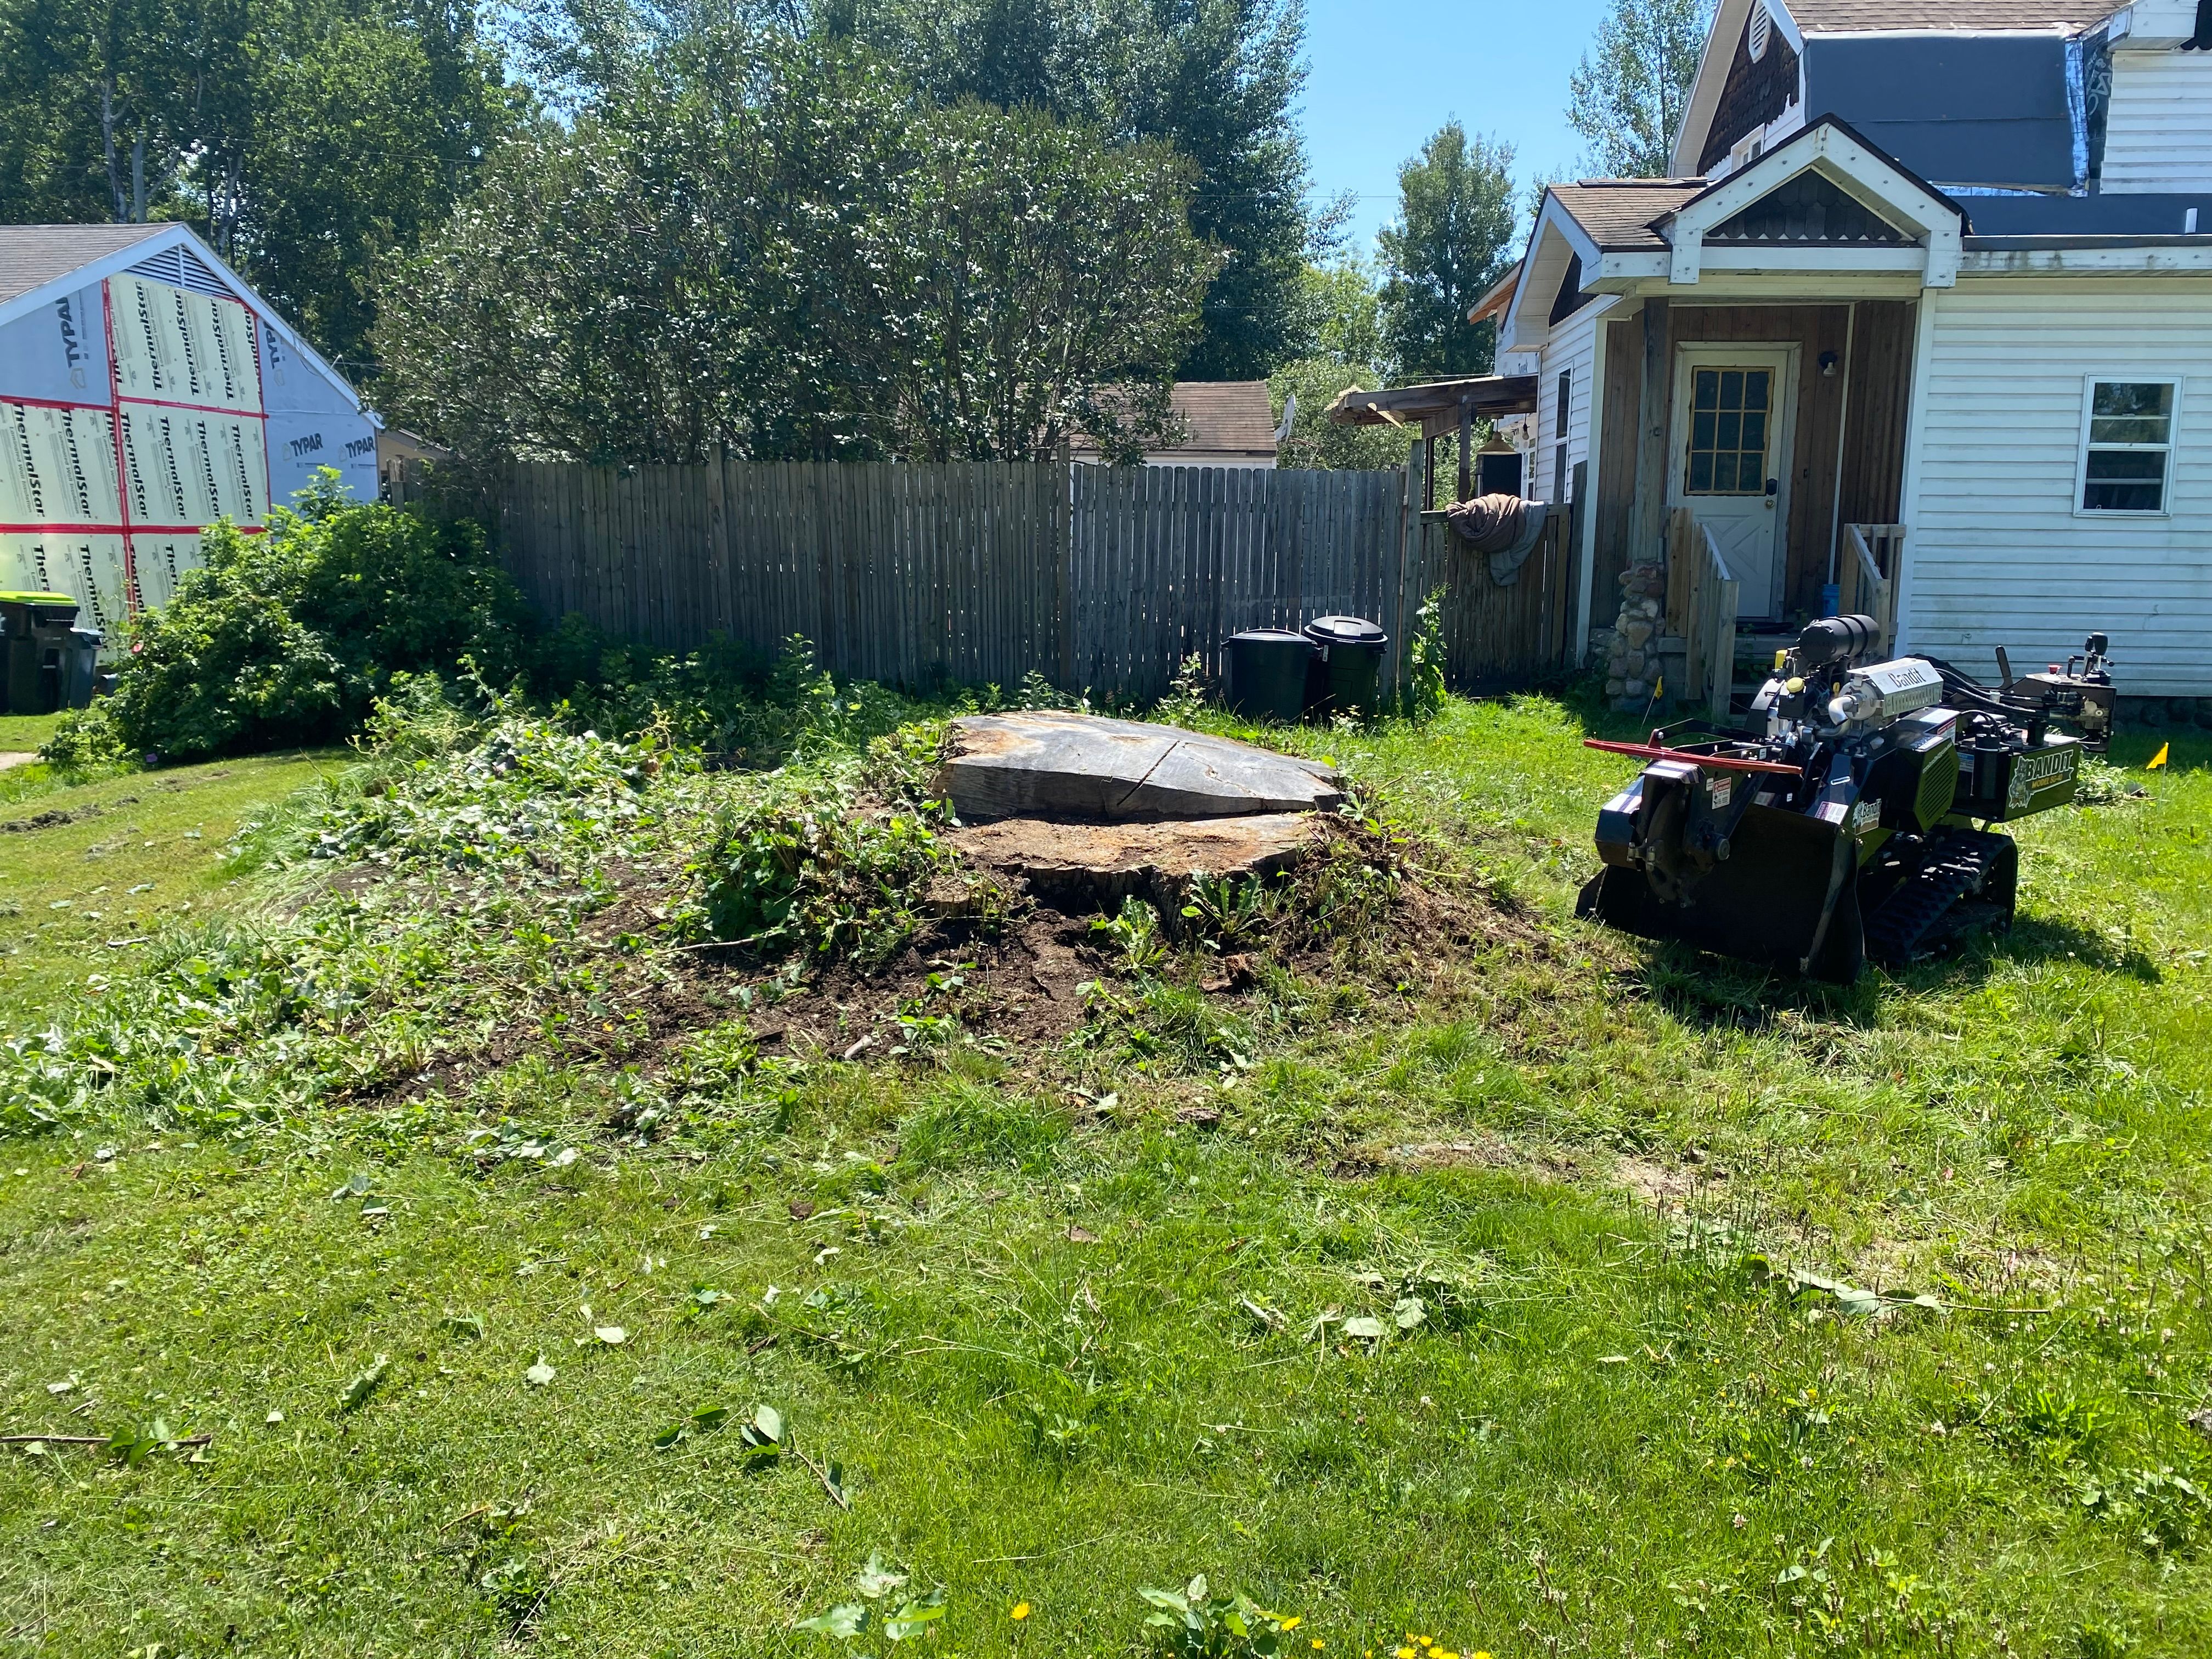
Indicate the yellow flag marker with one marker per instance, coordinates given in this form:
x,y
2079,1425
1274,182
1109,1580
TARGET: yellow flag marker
x,y
2158,759
1659,687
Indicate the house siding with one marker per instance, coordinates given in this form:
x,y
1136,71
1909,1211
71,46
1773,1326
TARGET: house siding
x,y
1996,554
1756,94
1572,350
2158,134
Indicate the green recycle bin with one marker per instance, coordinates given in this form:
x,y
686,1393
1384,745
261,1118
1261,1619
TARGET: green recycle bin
x,y
1348,667
1267,669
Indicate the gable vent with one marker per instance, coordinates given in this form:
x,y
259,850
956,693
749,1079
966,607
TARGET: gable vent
x,y
179,267
1761,31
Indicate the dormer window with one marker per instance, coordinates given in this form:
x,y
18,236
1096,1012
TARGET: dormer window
x,y
1761,31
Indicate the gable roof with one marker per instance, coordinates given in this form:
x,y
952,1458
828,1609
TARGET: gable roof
x,y
1889,191
1619,214
1219,417
41,263
32,256
1225,416
1945,16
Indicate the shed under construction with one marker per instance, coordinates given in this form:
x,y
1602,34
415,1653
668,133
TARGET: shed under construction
x,y
145,391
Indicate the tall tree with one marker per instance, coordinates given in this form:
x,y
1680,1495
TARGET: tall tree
x,y
758,243
1218,79
302,137
1052,284
1628,95
1453,238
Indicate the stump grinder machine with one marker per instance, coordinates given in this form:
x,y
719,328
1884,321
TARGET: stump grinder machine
x,y
1838,824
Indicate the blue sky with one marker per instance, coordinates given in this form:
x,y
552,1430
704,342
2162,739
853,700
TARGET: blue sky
x,y
1385,74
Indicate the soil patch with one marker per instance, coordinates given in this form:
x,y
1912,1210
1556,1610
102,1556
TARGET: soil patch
x,y
50,820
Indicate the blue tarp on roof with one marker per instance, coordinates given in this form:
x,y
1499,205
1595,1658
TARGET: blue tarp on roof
x,y
1987,110
2158,215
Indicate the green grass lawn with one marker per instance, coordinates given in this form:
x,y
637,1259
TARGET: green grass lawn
x,y
114,862
386,1217
23,733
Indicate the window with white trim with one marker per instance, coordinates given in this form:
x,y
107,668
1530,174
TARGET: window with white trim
x,y
2127,445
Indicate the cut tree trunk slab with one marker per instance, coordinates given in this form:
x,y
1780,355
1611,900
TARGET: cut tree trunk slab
x,y
1047,764
1097,866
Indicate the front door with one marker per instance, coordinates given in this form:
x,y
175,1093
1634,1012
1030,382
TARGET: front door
x,y
1731,459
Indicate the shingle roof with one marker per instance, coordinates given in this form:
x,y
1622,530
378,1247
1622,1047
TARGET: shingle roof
x,y
1222,417
1226,416
31,256
1850,17
1619,213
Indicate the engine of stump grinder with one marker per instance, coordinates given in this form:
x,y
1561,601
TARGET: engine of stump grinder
x,y
1839,823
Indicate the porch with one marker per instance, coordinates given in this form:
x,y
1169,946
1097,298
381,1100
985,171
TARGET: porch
x,y
1779,427
1750,456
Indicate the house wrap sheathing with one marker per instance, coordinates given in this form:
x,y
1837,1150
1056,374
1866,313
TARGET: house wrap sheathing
x,y
1927,300
145,392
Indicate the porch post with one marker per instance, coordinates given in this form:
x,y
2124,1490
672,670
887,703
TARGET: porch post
x,y
1647,520
1466,450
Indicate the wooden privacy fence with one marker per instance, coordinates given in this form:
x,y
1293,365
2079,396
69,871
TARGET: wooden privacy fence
x,y
1099,579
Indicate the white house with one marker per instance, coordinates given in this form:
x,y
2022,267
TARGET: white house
x,y
1925,312
146,392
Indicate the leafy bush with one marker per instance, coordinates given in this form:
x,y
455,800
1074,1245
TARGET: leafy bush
x,y
1424,655
798,865
288,637
86,743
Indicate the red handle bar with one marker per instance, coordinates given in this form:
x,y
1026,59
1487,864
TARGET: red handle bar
x,y
1724,762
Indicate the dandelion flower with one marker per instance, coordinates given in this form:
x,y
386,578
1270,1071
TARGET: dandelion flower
x,y
1021,1610
1406,1653
1292,1622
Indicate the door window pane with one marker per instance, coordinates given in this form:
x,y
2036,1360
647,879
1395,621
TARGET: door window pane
x,y
2125,461
1728,445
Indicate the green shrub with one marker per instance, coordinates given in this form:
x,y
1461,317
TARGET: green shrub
x,y
85,743
798,864
290,636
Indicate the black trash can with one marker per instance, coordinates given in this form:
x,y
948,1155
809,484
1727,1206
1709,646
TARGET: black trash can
x,y
34,633
80,666
1268,670
1348,667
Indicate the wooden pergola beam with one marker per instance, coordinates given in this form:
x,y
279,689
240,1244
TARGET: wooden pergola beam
x,y
1436,406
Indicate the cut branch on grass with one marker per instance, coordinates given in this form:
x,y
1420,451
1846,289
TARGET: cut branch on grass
x,y
834,1488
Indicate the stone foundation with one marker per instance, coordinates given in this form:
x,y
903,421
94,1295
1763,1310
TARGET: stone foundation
x,y
1635,658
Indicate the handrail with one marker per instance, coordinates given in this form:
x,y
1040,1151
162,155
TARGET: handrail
x,y
1723,595
1863,587
1868,569
1713,552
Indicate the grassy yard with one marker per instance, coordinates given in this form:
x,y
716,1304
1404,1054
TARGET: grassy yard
x,y
23,733
91,874
1549,1293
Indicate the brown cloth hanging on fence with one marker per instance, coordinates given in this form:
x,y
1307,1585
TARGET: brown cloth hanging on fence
x,y
1503,526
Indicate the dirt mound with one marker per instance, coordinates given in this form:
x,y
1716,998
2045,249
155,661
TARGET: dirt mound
x,y
1022,981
